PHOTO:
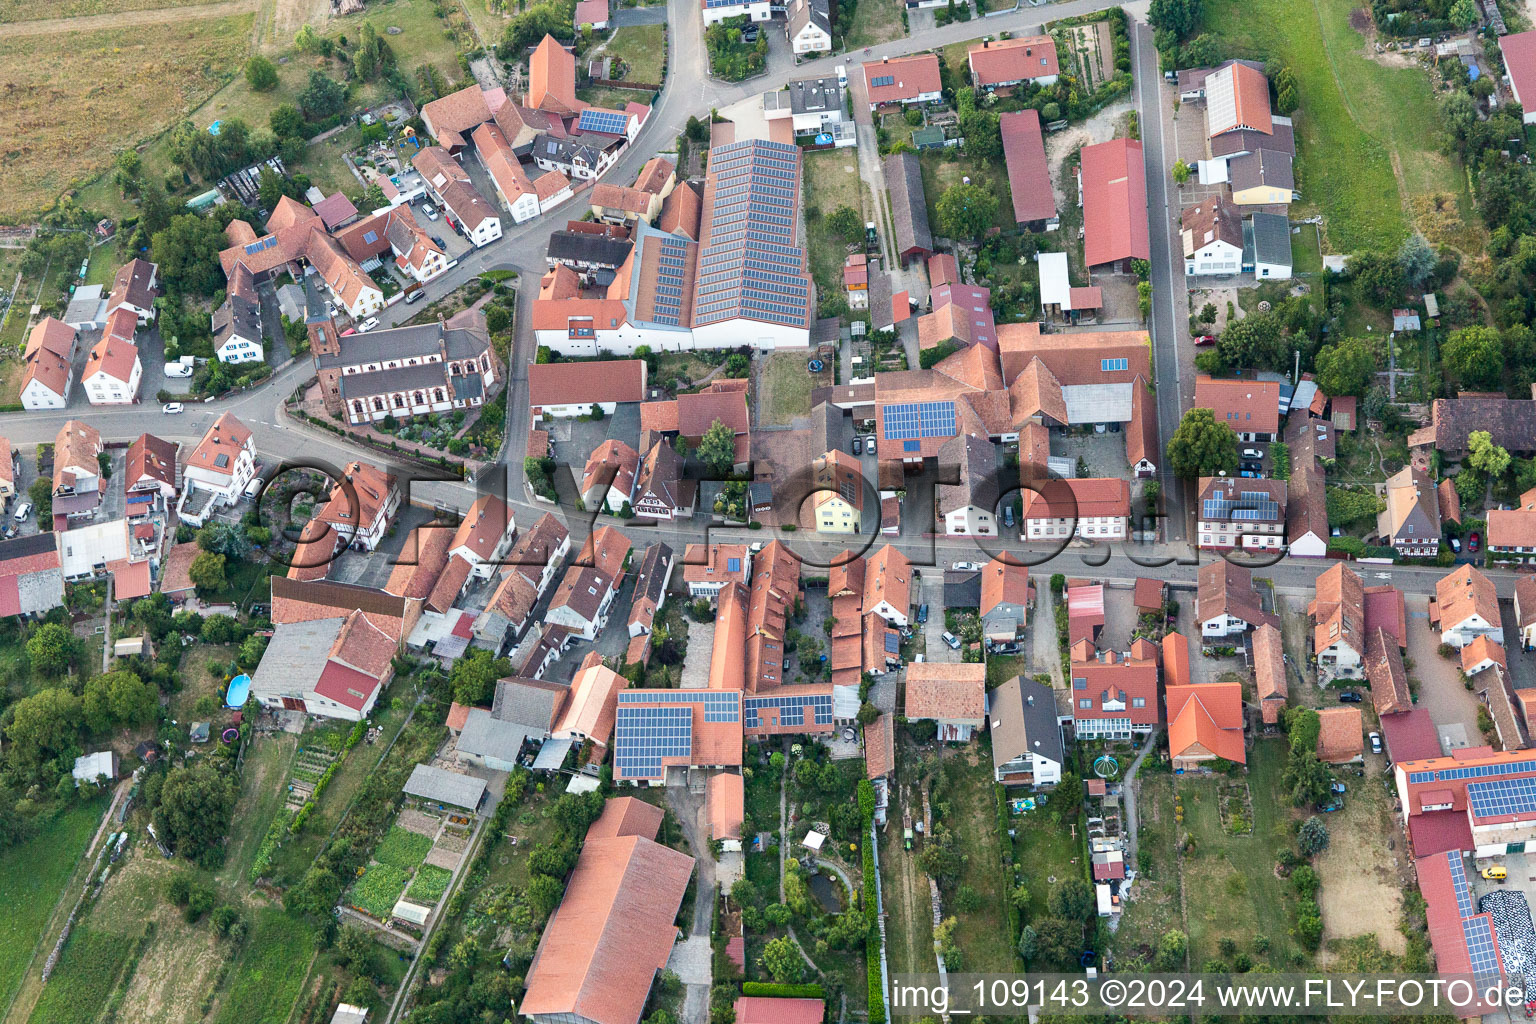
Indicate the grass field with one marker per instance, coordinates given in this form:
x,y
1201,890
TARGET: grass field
x,y
31,876
35,10
831,181
1003,667
1230,882
1362,145
271,970
940,172
643,48
785,388
983,933
66,126
876,21
91,967
262,795
1155,908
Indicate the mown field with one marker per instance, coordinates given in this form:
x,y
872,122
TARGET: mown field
x,y
74,99
1366,148
36,10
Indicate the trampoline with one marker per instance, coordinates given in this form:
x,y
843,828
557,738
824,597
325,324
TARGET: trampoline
x,y
239,689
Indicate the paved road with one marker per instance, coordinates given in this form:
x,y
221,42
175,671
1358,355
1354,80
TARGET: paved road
x,y
1169,295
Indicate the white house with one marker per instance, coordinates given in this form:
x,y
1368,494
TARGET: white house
x,y
484,535
360,508
49,354
1466,606
888,586
1227,604
1090,509
1027,747
582,601
331,667
716,11
218,471
134,288
512,186
237,336
1213,238
808,26
113,370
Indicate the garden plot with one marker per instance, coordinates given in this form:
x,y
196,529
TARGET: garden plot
x,y
397,857
309,768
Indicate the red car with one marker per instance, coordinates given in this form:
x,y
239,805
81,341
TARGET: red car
x,y
1473,539
1206,339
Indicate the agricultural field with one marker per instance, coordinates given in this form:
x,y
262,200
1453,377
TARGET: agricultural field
x,y
402,849
67,126
1363,156
429,885
36,10
87,975
32,876
379,890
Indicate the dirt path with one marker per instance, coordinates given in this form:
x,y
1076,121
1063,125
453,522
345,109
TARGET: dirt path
x,y
126,19
1362,883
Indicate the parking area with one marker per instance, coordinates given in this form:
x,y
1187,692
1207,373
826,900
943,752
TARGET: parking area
x,y
574,440
1119,618
1453,706
372,570
932,592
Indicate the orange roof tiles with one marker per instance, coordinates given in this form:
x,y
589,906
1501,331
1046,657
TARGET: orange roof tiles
x,y
1463,593
1206,719
1003,582
947,691
725,797
1247,406
1339,736
911,77
484,525
880,747
1269,672
1175,659
1114,202
552,78
627,816
1008,61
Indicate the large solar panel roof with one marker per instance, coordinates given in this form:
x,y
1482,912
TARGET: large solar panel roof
x,y
791,709
1481,950
1477,771
643,736
609,122
919,419
1502,796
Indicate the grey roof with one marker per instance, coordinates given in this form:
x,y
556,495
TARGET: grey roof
x,y
467,386
803,12
346,1014
296,656
760,493
909,208
585,148
529,702
402,342
815,95
1246,140
26,547
962,589
1264,167
445,787
401,378
88,306
314,301
587,248
236,317
653,572
1272,238
488,736
291,301
661,475
1023,720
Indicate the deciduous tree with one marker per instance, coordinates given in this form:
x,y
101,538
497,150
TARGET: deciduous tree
x,y
966,211
196,802
261,73
1346,368
1202,446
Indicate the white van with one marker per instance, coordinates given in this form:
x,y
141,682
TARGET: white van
x,y
23,511
254,487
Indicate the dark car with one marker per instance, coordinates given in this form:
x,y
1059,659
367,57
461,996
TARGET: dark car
x,y
922,614
858,446
1350,697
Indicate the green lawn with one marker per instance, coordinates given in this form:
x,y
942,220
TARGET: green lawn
x,y
1003,667
85,977
940,172
876,21
1232,891
1356,116
1156,906
982,934
643,48
31,876
831,182
262,795
270,973
785,388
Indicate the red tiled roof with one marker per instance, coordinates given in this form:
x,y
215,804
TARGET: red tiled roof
x,y
947,691
1114,202
1247,406
552,79
1006,61
1410,735
1339,734
912,77
774,1010
1208,716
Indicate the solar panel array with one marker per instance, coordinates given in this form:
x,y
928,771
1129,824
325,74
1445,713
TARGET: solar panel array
x,y
1249,506
919,419
880,80
1481,771
719,705
260,244
791,709
672,265
1481,950
609,122
752,267
1502,796
645,735
1459,882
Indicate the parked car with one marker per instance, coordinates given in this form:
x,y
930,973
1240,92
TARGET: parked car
x,y
1252,453
1008,516
952,640
1339,787
368,325
858,446
1456,545
1495,872
1206,339
1375,739
1250,464
922,614
1473,540
427,209
171,408
966,566
1005,648
1350,697
440,243
23,511
182,367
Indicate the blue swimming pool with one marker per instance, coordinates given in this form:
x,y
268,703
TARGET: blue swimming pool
x,y
239,689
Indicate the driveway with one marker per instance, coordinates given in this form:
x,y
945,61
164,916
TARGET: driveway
x,y
1450,703
638,16
691,959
